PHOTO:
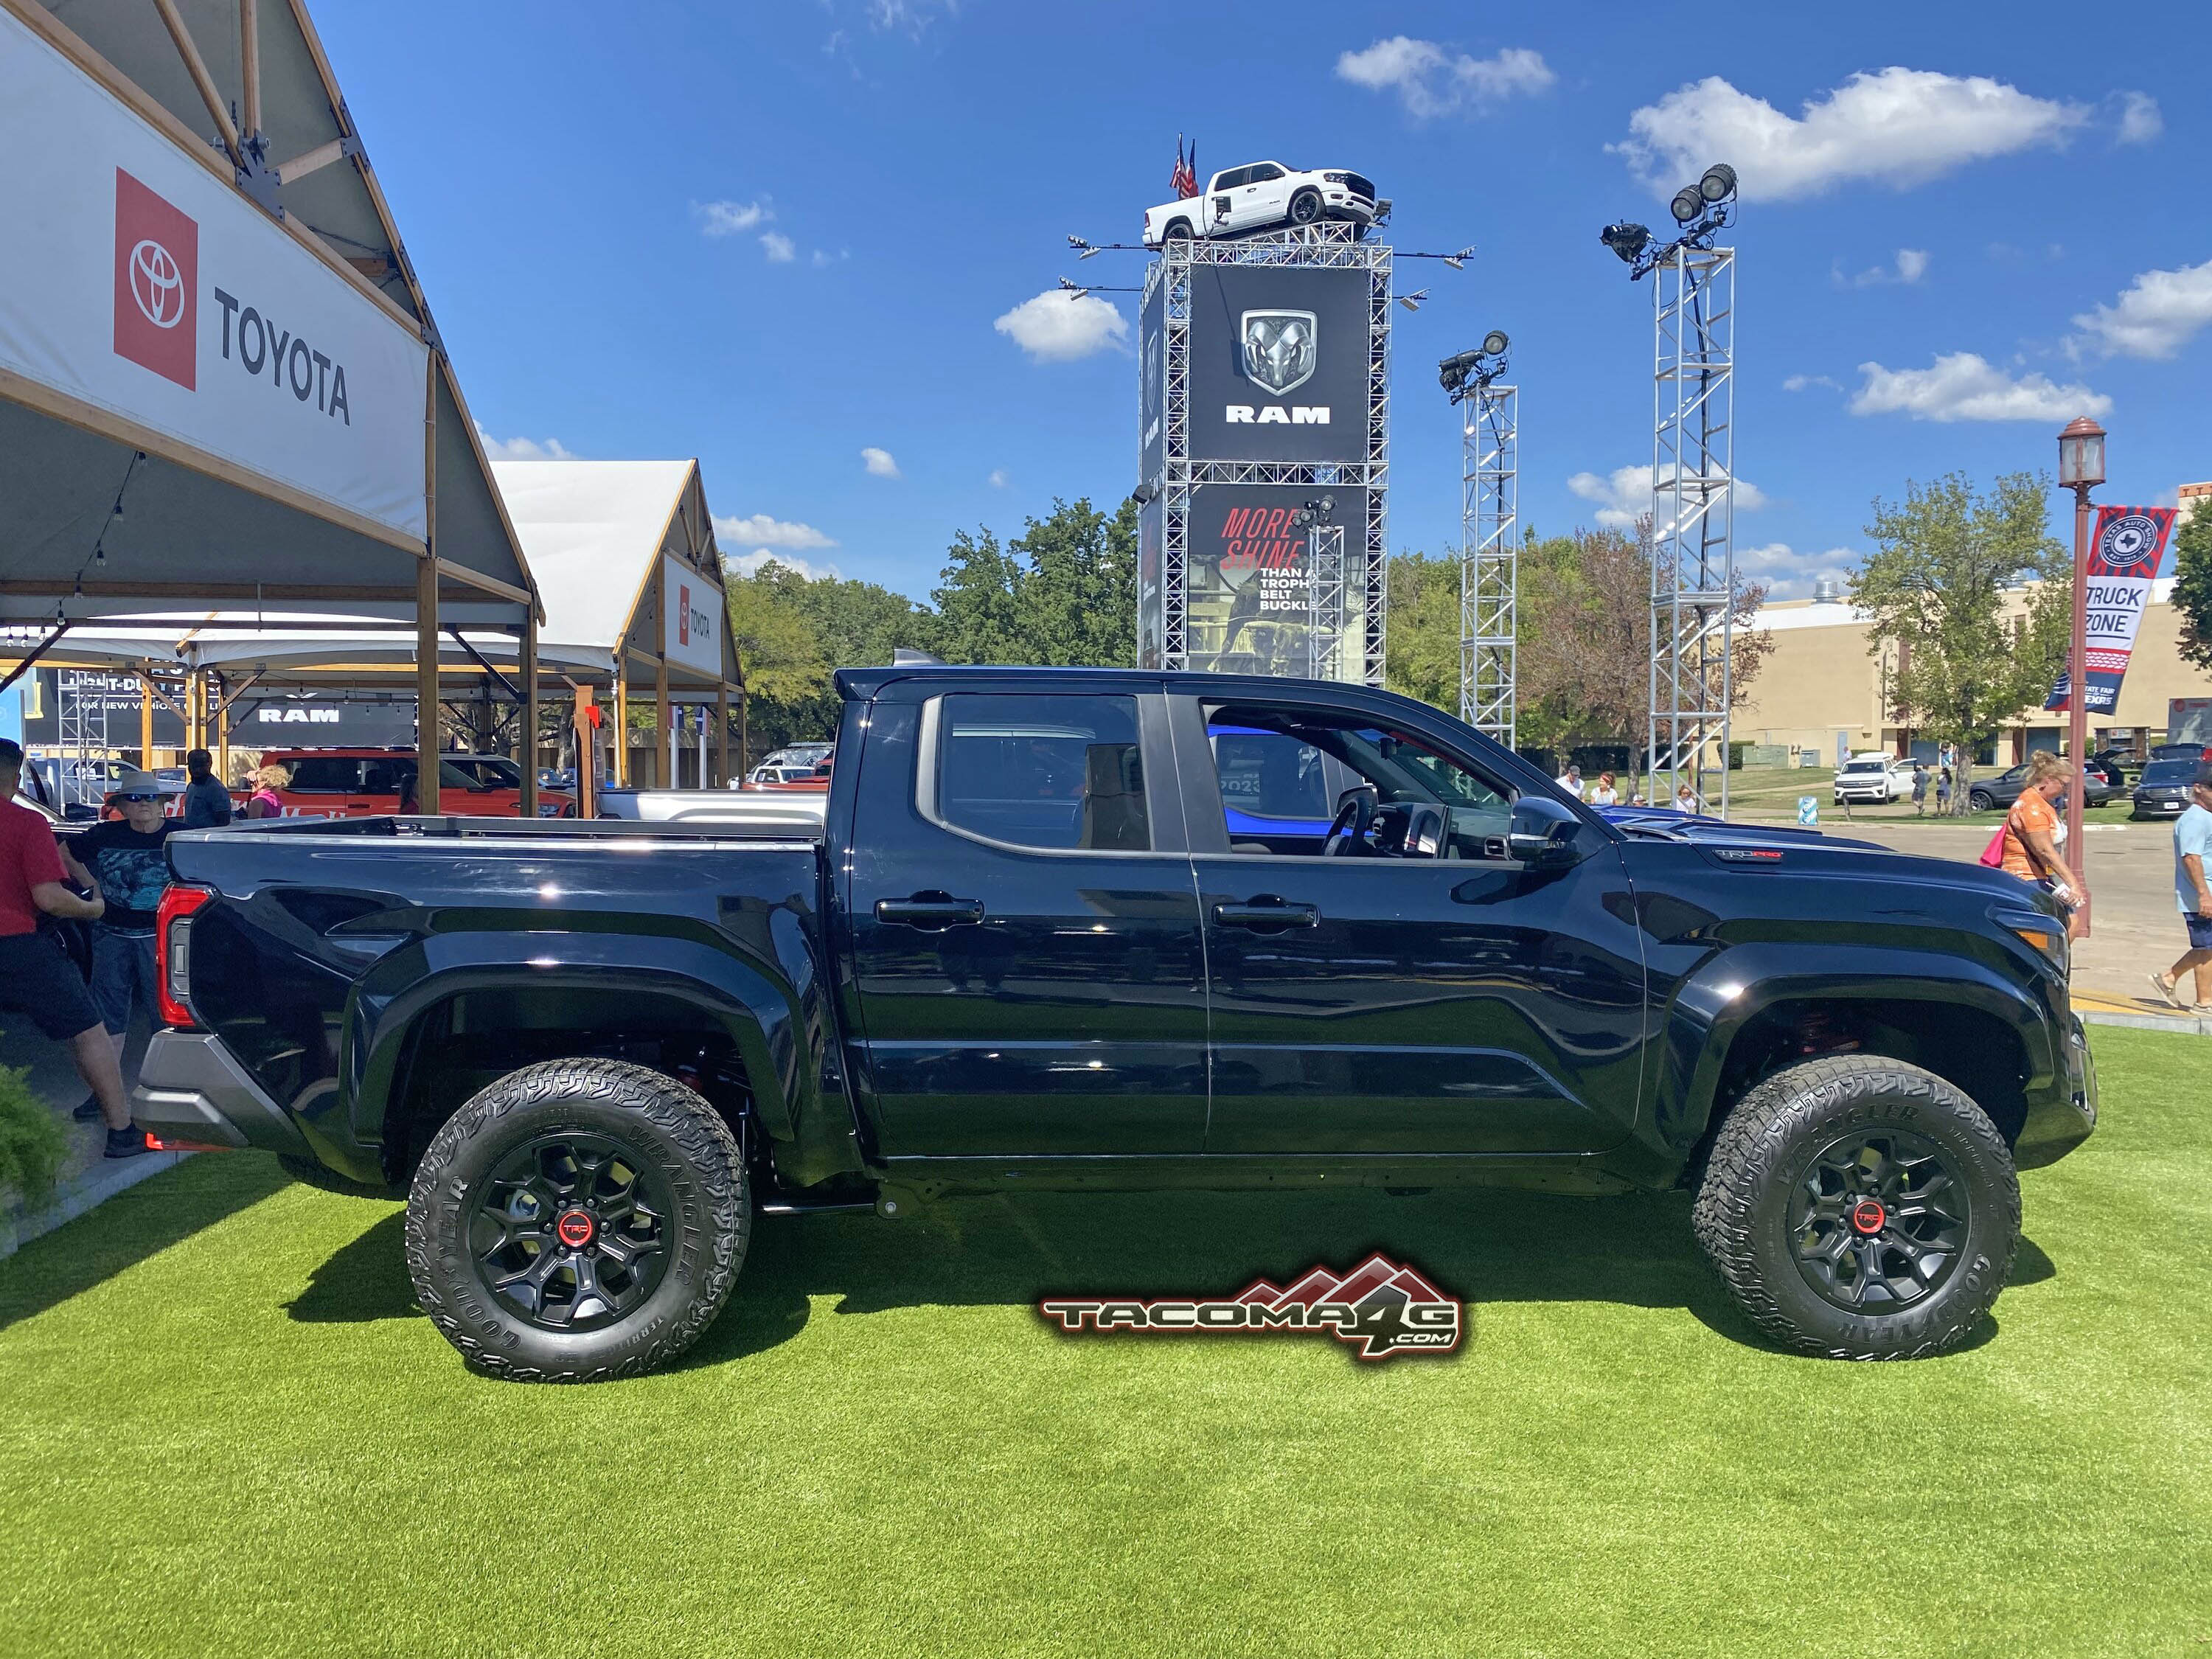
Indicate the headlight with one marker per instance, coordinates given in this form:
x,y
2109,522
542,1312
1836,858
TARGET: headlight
x,y
1336,178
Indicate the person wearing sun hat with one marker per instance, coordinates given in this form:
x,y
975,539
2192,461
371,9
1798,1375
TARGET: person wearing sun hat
x,y
127,860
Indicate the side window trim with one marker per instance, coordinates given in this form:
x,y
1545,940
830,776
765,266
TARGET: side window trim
x,y
1157,754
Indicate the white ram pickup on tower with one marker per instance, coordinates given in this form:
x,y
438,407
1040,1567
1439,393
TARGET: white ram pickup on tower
x,y
1261,196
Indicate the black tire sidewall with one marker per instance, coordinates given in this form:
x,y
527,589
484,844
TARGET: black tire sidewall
x,y
1309,195
1793,1118
660,1123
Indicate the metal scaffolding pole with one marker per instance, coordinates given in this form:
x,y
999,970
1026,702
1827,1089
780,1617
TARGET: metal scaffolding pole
x,y
1692,517
1490,547
1325,640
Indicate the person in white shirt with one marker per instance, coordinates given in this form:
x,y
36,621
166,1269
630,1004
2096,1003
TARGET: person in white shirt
x,y
1571,782
1685,799
1605,794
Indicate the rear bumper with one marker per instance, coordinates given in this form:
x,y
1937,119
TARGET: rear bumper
x,y
190,1088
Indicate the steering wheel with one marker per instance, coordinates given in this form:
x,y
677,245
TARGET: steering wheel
x,y
1348,829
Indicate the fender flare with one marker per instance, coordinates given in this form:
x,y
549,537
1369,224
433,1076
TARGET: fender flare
x,y
1725,994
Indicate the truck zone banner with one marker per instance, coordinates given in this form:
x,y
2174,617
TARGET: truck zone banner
x,y
1381,1308
1278,364
134,280
2124,559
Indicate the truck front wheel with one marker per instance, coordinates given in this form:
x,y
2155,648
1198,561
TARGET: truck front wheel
x,y
1860,1208
579,1219
1305,207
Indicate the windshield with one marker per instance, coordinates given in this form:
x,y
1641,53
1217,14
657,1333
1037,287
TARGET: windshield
x,y
1868,766
2160,772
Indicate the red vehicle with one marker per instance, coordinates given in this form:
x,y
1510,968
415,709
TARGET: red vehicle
x,y
361,783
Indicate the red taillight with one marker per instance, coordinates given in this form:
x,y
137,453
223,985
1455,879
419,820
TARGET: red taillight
x,y
155,1144
173,949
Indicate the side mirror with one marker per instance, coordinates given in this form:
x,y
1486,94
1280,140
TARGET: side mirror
x,y
1541,832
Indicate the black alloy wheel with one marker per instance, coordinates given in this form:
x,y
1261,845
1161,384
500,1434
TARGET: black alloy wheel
x,y
1878,1221
1305,207
578,1219
571,1232
1859,1208
1982,801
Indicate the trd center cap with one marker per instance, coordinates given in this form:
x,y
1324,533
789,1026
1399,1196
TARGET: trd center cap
x,y
1867,1217
575,1229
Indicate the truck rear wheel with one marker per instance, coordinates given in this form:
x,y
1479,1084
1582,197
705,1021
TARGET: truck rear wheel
x,y
1860,1208
579,1219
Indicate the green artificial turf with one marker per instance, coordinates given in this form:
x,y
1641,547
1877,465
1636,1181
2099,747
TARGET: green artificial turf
x,y
225,1429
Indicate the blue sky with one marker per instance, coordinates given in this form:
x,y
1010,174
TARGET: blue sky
x,y
780,239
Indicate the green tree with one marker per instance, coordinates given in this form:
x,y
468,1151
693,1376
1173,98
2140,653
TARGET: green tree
x,y
2192,585
1935,588
792,630
1420,636
1064,592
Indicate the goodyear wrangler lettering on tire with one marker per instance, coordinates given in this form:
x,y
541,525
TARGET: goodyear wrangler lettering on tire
x,y
1380,1308
578,1219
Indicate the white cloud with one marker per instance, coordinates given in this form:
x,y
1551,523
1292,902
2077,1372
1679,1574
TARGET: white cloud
x,y
1057,326
1623,494
730,218
1798,382
1787,573
1429,81
1962,386
771,533
523,449
879,463
998,479
823,257
1912,266
1896,126
2157,314
778,247
2140,120
749,564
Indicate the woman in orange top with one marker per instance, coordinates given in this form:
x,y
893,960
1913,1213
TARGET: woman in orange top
x,y
2031,844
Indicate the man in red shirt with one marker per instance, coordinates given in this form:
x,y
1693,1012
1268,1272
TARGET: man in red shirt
x,y
35,977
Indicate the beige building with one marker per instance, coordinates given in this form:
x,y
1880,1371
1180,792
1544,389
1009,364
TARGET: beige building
x,y
1822,690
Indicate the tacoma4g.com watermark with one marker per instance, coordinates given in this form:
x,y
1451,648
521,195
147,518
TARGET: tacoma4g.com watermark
x,y
1381,1308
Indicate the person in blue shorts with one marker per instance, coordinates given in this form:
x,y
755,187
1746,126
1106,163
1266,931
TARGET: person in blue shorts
x,y
2192,891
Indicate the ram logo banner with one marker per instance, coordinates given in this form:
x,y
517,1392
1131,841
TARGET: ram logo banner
x,y
157,280
1281,348
1379,1308
2124,554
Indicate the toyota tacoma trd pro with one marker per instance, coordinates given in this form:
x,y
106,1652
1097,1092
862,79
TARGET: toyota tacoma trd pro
x,y
1079,928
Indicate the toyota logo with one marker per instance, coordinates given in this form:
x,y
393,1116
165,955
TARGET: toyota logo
x,y
156,284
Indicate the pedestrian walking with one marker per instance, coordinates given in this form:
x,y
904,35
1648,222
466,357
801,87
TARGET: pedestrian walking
x,y
127,862
2192,891
1605,794
2031,850
207,803
1919,790
265,802
36,975
1943,793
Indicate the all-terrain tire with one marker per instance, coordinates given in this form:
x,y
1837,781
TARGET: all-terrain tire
x,y
1769,1150
670,1131
1178,230
1305,207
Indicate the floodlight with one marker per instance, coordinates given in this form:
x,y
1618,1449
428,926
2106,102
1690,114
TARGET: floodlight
x,y
1073,288
1412,301
1626,239
1088,253
1686,205
1495,343
1718,183
1327,505
1458,261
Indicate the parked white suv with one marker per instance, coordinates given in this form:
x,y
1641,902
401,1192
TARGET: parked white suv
x,y
1261,196
1875,777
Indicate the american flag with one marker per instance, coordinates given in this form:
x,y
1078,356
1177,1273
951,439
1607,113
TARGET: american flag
x,y
1184,179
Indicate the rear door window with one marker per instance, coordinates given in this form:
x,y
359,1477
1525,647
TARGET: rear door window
x,y
325,774
1062,773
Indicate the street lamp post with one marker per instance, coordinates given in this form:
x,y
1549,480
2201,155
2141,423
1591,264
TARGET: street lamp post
x,y
2081,467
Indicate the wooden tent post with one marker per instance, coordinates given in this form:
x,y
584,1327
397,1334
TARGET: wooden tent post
x,y
664,733
622,724
146,727
426,612
722,735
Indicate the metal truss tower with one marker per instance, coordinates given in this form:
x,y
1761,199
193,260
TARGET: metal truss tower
x,y
1332,245
1489,570
81,734
1692,518
1325,603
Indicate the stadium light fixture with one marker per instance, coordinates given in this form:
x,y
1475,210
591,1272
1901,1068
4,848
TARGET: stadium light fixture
x,y
1688,204
1718,183
1701,210
1495,343
1412,301
1458,261
1627,240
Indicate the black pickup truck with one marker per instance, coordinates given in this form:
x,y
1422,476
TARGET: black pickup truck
x,y
1085,928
